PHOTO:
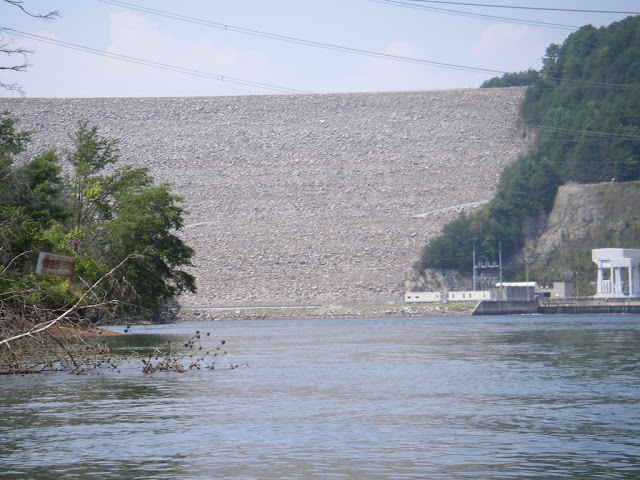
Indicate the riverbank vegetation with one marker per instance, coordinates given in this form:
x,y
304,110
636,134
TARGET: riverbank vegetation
x,y
584,104
116,227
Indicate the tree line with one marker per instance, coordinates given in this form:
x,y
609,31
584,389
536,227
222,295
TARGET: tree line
x,y
117,224
584,104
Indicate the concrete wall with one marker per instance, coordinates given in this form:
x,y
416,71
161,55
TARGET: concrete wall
x,y
307,199
488,307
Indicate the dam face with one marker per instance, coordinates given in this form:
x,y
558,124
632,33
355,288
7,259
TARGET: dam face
x,y
305,199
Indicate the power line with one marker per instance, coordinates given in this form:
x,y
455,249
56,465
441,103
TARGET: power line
x,y
598,117
460,13
589,83
300,41
150,63
275,37
586,132
339,48
520,7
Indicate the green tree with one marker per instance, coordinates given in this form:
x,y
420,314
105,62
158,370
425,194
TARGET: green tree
x,y
521,79
105,215
451,250
123,214
12,143
31,206
89,202
549,61
145,221
585,103
40,189
122,229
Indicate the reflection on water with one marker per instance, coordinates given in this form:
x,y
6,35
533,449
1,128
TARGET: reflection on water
x,y
493,398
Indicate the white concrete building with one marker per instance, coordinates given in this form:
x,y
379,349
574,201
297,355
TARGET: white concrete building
x,y
471,296
517,291
441,297
618,272
425,297
559,290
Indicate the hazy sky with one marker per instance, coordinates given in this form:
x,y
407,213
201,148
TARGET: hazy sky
x,y
445,33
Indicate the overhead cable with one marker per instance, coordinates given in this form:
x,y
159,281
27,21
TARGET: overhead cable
x,y
150,63
340,48
459,13
585,132
521,7
300,41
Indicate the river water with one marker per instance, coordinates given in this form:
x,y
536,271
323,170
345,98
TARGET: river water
x,y
512,397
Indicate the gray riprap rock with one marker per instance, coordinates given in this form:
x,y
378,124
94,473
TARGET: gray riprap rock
x,y
307,199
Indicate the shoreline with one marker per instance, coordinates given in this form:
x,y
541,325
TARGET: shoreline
x,y
193,314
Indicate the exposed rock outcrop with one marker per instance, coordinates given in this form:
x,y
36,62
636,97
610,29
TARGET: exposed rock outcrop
x,y
308,199
585,217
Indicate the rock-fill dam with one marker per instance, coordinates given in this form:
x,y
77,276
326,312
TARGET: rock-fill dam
x,y
305,199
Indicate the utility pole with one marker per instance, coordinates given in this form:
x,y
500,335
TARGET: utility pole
x,y
474,266
500,257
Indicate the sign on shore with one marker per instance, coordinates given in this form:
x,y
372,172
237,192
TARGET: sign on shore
x,y
58,265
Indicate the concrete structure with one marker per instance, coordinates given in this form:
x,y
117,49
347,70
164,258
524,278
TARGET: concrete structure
x,y
513,293
471,296
559,290
491,307
589,305
526,291
517,291
440,297
425,297
618,272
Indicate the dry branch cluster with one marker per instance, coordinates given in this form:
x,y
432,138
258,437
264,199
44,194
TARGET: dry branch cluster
x,y
69,348
183,356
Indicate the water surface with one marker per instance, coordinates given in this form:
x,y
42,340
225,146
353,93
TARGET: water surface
x,y
512,397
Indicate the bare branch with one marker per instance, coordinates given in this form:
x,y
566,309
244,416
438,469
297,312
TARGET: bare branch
x,y
13,260
10,51
64,349
7,48
16,68
44,16
19,66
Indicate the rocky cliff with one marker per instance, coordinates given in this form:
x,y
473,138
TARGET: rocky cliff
x,y
585,217
308,199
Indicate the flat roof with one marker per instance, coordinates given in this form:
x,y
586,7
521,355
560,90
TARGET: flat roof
x,y
611,253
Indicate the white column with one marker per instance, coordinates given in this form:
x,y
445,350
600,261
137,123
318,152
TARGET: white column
x,y
634,280
612,283
599,284
618,280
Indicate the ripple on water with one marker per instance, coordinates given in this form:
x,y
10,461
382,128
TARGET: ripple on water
x,y
492,398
